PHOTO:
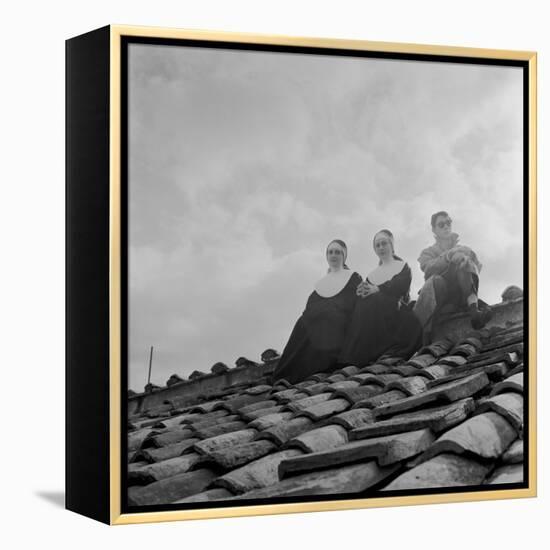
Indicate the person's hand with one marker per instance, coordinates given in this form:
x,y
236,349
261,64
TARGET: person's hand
x,y
458,258
369,289
360,288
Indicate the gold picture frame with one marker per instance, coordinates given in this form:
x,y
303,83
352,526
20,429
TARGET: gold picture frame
x,y
105,46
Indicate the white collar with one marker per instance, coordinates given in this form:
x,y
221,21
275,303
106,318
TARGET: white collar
x,y
385,272
333,283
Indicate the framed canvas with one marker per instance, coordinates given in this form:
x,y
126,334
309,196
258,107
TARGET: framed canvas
x,y
301,274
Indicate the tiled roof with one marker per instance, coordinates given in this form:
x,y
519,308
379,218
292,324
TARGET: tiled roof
x,y
450,416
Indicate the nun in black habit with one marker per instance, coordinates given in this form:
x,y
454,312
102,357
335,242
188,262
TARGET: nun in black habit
x,y
316,340
382,323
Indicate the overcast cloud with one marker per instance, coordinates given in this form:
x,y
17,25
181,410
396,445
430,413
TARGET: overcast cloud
x,y
244,165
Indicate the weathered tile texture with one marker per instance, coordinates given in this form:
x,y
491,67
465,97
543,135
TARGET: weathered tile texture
x,y
450,416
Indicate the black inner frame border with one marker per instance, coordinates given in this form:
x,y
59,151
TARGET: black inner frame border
x,y
124,222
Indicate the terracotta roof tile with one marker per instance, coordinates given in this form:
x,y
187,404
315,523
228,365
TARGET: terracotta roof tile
x,y
211,444
453,360
437,349
437,371
390,361
301,404
512,473
259,473
317,388
465,350
514,453
343,385
169,451
260,413
354,478
221,428
512,384
452,391
516,369
376,369
494,372
234,404
386,450
291,394
287,429
256,390
165,469
412,385
444,470
422,361
167,438
259,405
319,439
352,419
358,394
486,435
381,399
509,406
269,420
336,378
171,489
323,410
136,439
437,419
408,370
201,424
305,384
350,370
239,455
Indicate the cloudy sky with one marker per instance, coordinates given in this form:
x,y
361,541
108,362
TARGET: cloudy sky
x,y
244,165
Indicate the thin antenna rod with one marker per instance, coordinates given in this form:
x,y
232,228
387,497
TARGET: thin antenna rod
x,y
150,365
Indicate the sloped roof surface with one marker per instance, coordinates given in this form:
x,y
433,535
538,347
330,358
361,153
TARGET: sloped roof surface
x,y
450,416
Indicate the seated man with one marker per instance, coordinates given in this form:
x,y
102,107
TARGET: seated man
x,y
452,277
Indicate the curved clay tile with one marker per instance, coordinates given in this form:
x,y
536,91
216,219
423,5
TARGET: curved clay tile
x,y
360,393
304,403
225,440
514,453
386,450
412,385
352,419
171,489
487,435
352,479
257,474
320,439
267,421
512,384
323,410
422,361
260,413
452,391
169,451
512,473
220,429
509,405
445,470
283,431
163,470
239,455
381,399
259,405
436,419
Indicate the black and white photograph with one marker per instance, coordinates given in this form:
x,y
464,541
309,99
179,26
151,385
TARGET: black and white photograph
x,y
326,292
